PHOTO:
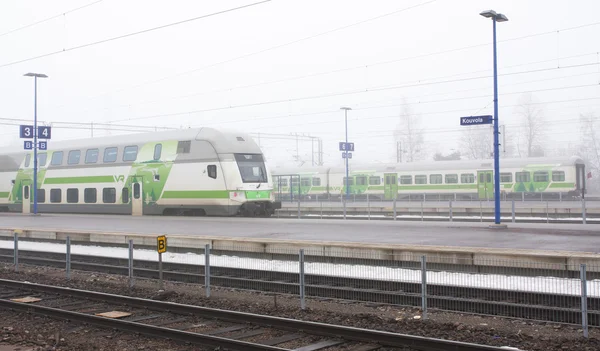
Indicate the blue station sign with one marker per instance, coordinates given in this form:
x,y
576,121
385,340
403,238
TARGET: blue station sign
x,y
476,120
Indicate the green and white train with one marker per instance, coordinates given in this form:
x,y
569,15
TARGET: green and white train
x,y
472,179
200,171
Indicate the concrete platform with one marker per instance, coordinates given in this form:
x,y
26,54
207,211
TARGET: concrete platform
x,y
553,237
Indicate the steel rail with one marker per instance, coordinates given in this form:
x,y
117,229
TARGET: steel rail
x,y
347,333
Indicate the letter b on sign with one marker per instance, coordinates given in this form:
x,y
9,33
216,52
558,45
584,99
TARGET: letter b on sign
x,y
161,244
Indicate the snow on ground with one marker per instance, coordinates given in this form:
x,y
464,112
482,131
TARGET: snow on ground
x,y
490,281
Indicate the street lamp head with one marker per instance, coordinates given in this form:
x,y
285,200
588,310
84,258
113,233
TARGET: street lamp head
x,y
345,108
39,75
498,17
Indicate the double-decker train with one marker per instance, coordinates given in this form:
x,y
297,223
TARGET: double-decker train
x,y
201,171
473,179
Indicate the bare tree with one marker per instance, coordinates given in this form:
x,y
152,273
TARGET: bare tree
x,y
477,142
590,147
409,134
529,141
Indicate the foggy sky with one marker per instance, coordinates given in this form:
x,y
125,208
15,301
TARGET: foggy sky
x,y
176,77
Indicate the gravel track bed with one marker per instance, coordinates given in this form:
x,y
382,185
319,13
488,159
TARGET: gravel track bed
x,y
41,333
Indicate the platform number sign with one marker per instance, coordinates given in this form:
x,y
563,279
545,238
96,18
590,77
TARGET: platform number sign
x,y
43,145
44,132
346,146
28,145
26,131
161,244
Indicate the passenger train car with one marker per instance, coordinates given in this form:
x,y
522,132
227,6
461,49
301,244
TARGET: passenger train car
x,y
447,179
200,171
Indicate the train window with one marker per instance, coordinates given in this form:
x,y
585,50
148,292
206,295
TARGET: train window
x,y
26,192
183,147
350,181
74,156
27,160
109,195
374,180
361,180
136,190
41,195
406,179
451,178
488,177
57,158
467,178
435,179
283,182
157,152
42,158
125,195
505,177
295,181
130,153
110,154
558,176
540,176
72,196
90,195
212,171
522,177
91,155
420,179
305,182
55,195
316,181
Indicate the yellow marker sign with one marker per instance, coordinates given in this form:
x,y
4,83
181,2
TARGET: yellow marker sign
x,y
161,244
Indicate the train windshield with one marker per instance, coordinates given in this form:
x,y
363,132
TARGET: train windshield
x,y
252,168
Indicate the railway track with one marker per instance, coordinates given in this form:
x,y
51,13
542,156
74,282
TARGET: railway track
x,y
206,326
527,305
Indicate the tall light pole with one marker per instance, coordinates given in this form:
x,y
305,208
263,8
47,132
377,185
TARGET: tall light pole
x,y
35,136
496,17
346,123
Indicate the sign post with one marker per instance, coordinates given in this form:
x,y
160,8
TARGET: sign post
x,y
488,119
161,247
36,132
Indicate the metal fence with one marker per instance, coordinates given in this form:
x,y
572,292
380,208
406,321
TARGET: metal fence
x,y
552,292
582,212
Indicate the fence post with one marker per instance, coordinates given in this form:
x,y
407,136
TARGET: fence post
x,y
424,285
584,308
68,258
369,206
583,214
298,206
16,251
450,210
422,219
560,197
130,263
480,212
207,269
344,200
513,210
547,213
321,209
395,206
301,262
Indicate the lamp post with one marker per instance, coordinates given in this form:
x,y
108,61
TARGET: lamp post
x,y
35,132
496,17
346,123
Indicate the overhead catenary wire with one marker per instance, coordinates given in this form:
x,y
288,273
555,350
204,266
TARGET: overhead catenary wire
x,y
133,33
49,18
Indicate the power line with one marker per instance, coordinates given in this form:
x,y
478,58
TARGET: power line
x,y
336,71
339,94
49,18
134,33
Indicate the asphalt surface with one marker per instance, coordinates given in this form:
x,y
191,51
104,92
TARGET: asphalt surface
x,y
570,237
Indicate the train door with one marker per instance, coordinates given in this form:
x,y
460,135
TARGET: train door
x,y
390,186
26,199
137,199
485,186
580,179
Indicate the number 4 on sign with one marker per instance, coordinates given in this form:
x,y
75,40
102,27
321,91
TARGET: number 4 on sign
x,y
44,132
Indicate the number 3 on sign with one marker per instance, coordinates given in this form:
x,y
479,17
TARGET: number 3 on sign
x,y
26,131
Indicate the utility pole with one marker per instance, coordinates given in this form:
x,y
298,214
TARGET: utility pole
x,y
399,152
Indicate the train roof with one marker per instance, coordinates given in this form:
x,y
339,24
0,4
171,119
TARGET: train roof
x,y
436,165
224,141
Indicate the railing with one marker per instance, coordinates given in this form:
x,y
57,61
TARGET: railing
x,y
555,292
